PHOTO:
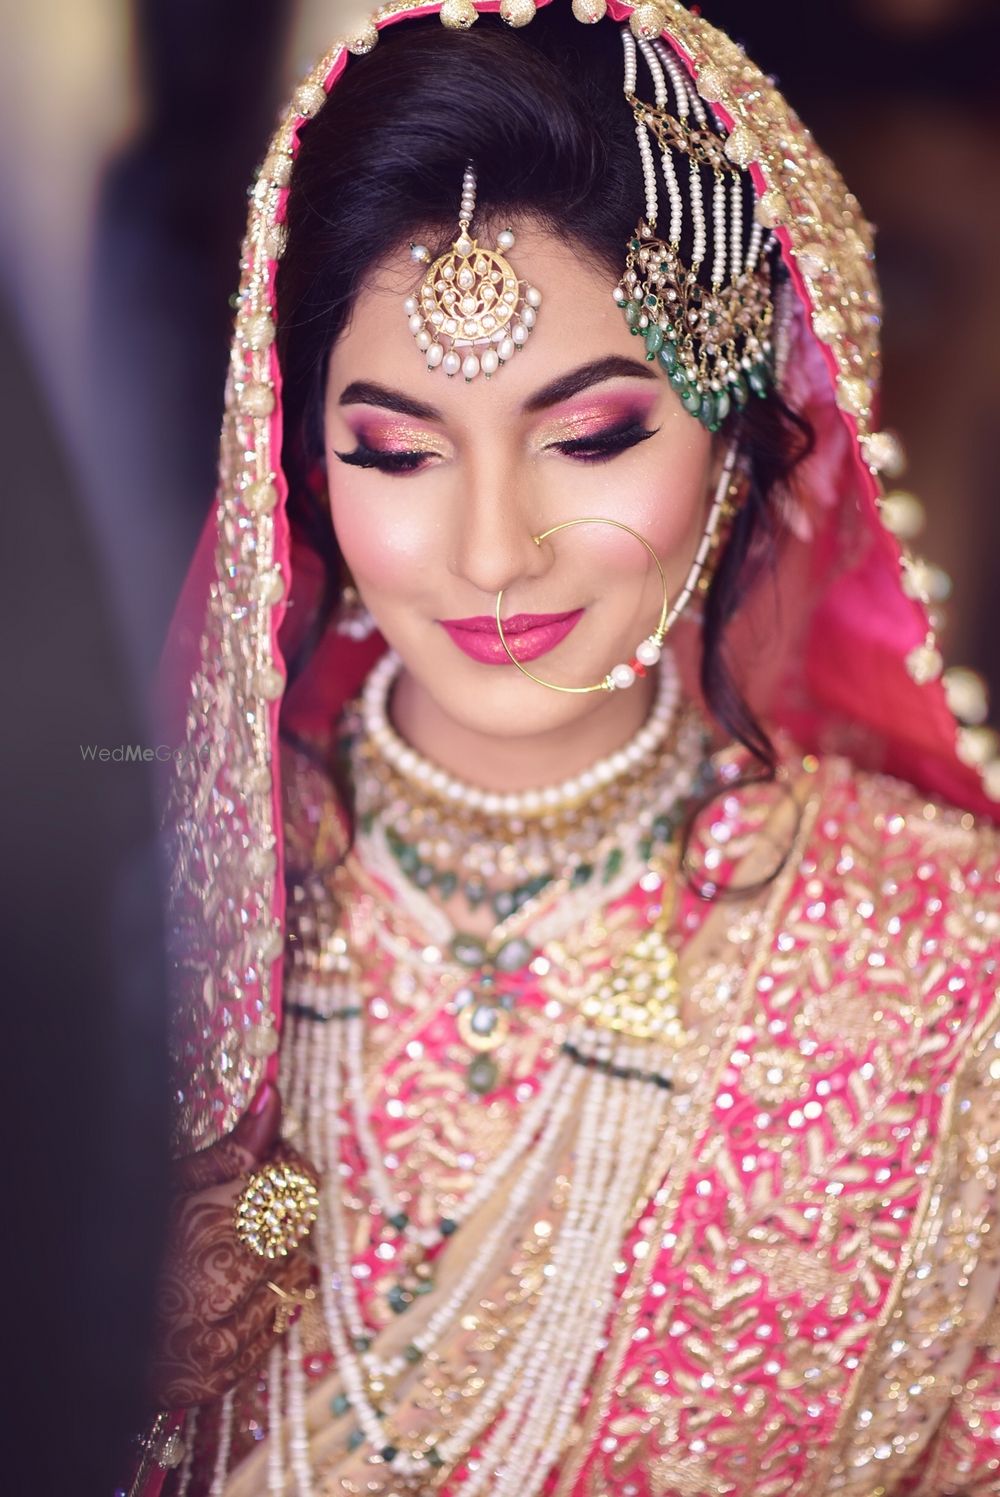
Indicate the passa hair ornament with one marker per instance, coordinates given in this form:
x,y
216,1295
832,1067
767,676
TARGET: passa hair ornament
x,y
707,321
472,312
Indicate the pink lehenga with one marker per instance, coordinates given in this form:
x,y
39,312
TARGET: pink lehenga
x,y
549,1263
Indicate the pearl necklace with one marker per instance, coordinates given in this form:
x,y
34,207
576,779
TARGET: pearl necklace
x,y
524,805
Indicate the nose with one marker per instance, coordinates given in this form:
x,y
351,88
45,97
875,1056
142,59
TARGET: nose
x,y
495,525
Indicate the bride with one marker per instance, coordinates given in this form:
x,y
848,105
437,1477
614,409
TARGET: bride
x,y
585,904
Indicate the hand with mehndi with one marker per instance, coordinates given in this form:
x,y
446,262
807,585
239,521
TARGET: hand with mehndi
x,y
215,1313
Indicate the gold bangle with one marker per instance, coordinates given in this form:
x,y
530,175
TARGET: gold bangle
x,y
275,1212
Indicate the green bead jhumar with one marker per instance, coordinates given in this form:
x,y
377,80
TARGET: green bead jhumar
x,y
654,341
668,356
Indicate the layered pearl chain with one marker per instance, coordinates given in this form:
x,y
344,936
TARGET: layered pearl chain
x,y
519,805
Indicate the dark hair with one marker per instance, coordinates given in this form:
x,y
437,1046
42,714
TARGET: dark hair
x,y
542,114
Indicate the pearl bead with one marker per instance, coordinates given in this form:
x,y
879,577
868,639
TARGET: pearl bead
x,y
519,333
623,676
505,239
507,349
470,366
451,363
423,340
490,362
528,316
416,322
410,306
647,653
533,297
420,252
434,355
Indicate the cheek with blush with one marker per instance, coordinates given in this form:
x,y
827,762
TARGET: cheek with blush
x,y
387,551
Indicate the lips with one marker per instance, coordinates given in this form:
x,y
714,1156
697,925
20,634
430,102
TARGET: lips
x,y
528,634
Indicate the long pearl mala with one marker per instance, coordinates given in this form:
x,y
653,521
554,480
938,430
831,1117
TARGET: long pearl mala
x,y
526,804
605,1100
533,1396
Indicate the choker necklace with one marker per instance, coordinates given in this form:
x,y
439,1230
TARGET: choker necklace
x,y
446,837
431,780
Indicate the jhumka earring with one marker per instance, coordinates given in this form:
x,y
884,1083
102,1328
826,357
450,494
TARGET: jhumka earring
x,y
648,651
713,341
472,312
353,619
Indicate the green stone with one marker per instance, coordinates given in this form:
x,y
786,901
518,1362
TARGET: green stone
x,y
409,860
706,414
400,1299
447,883
581,875
678,381
613,864
340,1404
757,377
635,244
483,1019
632,312
475,892
468,950
739,391
424,876
361,1343
691,401
412,1353
400,1221
654,341
662,828
434,1458
513,954
668,355
503,904
355,1438
389,1453
645,846
447,1226
723,405
482,1075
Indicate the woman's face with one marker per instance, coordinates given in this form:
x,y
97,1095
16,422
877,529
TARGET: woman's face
x,y
438,488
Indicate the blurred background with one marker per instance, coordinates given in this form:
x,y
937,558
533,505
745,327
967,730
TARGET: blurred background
x,y
128,133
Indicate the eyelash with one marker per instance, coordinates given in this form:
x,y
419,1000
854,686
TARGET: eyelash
x,y
599,448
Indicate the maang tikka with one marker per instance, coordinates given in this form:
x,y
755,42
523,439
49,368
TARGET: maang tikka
x,y
472,312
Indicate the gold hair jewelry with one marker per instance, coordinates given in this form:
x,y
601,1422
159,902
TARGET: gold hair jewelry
x,y
276,1210
647,652
472,312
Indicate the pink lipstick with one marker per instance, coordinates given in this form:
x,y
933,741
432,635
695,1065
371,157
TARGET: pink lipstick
x,y
528,634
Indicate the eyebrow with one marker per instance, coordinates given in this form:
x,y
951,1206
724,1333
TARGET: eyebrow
x,y
614,366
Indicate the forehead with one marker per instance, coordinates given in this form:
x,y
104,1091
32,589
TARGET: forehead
x,y
577,321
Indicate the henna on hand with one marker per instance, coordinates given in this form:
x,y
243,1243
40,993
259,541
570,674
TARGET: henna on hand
x,y
214,1312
